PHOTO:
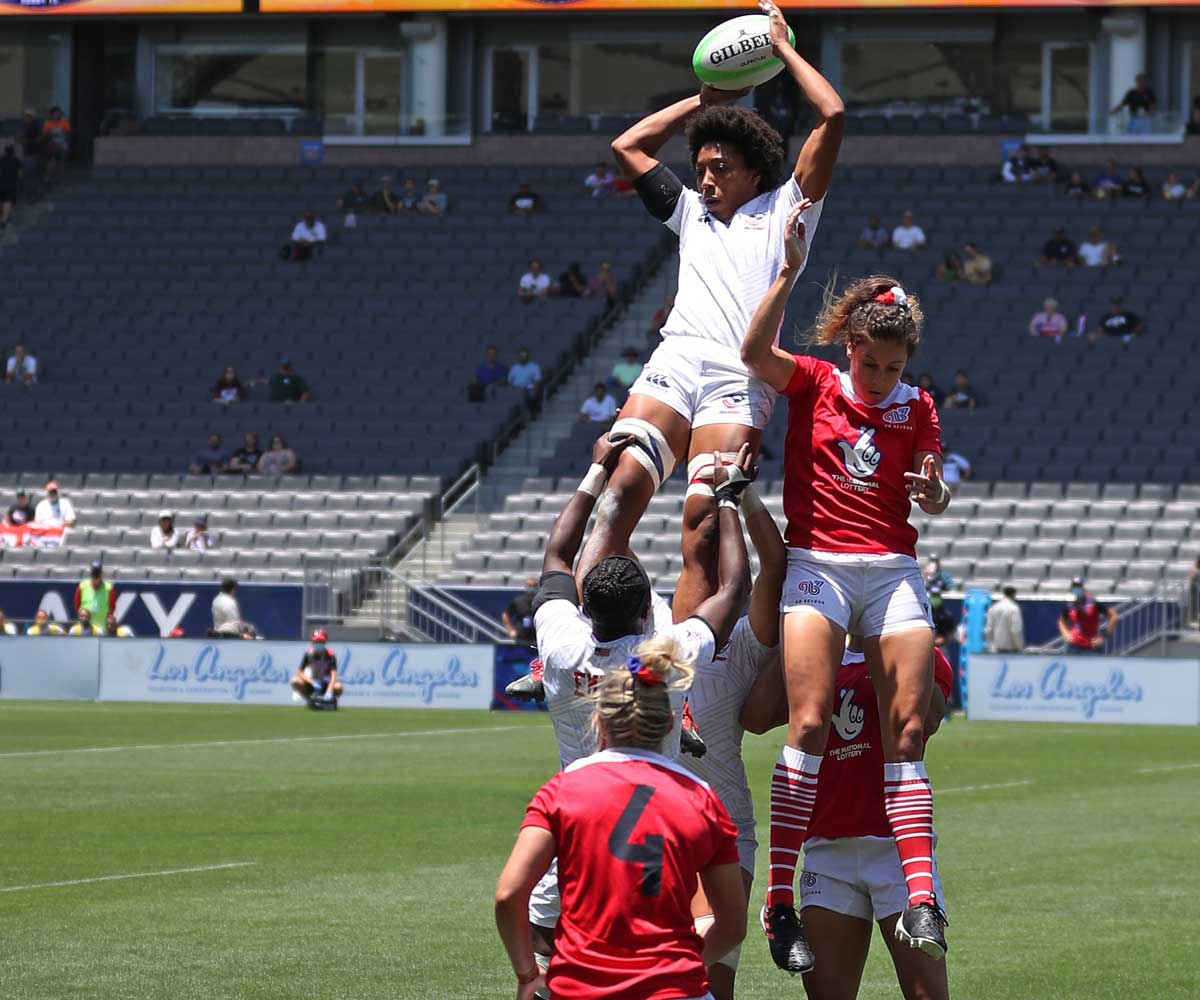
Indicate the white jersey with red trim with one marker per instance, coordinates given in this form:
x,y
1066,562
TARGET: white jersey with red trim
x,y
844,463
575,662
726,269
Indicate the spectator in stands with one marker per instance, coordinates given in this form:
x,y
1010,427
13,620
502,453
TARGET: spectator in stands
x,y
1004,628
29,134
288,386
518,616
354,200
955,469
493,371
600,182
21,367
599,407
526,375
1108,182
1017,169
211,459
1135,185
950,270
54,509
42,625
1140,102
164,534
874,236
534,283
603,284
908,235
935,576
962,396
944,625
308,237
572,283
95,593
197,538
435,201
112,628
1059,250
626,371
278,459
228,388
83,624
226,614
1077,187
1173,189
245,459
20,512
7,627
1096,251
410,198
1045,166
1118,322
10,184
925,382
525,202
1049,322
977,266
56,142
1085,623
384,201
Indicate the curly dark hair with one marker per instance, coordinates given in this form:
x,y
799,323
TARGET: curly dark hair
x,y
616,594
760,145
855,316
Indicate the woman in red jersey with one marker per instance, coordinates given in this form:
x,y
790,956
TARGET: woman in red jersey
x,y
634,833
861,448
851,873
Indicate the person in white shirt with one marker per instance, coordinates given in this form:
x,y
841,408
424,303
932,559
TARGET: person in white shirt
x,y
308,237
1096,251
599,407
197,538
226,615
163,535
599,183
1004,629
534,284
1173,188
908,235
955,468
21,367
54,508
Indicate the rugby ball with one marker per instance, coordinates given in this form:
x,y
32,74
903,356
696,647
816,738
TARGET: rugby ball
x,y
737,53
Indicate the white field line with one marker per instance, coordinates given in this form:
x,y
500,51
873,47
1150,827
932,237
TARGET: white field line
x,y
1169,767
258,742
981,788
115,878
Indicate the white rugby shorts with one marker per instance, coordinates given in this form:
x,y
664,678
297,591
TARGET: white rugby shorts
x,y
704,385
544,905
858,876
865,595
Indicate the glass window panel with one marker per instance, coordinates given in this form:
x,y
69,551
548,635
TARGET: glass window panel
x,y
337,72
930,75
1019,79
196,78
383,78
554,80
1070,88
630,78
26,77
510,89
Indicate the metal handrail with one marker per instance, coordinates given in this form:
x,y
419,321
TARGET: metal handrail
x,y
452,605
1140,622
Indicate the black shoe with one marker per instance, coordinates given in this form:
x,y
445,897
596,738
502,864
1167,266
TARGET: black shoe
x,y
691,743
785,934
921,927
527,688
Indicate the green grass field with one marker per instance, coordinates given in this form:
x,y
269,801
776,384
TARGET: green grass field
x,y
368,843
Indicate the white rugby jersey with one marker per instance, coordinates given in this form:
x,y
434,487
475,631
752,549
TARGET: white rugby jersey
x,y
725,271
718,692
575,663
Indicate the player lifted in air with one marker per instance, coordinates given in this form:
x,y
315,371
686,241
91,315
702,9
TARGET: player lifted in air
x,y
695,396
316,680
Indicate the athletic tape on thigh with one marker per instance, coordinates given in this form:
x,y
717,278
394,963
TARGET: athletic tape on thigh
x,y
700,473
649,447
729,959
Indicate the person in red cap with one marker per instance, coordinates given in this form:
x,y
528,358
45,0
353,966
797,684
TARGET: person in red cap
x,y
317,679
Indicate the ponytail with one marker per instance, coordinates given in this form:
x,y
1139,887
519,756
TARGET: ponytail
x,y
633,705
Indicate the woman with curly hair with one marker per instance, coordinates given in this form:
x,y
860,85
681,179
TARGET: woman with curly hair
x,y
862,447
695,395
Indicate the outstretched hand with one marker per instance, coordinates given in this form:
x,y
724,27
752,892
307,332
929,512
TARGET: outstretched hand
x,y
926,486
779,27
740,470
607,450
795,243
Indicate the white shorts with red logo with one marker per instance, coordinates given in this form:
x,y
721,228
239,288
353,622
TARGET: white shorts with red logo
x,y
705,384
858,876
865,595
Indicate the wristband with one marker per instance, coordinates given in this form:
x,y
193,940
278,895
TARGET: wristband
x,y
593,483
525,978
731,502
751,501
944,495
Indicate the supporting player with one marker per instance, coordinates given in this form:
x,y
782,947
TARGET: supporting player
x,y
851,871
316,680
695,393
579,646
634,834
719,690
861,448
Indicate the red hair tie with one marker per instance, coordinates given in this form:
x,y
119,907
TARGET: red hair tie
x,y
640,673
894,296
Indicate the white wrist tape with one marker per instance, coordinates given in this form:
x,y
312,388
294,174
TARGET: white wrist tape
x,y
944,494
649,447
700,473
727,502
593,483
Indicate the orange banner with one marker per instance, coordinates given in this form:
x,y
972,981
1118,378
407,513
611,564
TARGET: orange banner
x,y
350,6
106,8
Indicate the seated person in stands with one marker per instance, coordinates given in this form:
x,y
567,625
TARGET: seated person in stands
x,y
600,182
1108,182
908,235
245,459
534,283
1017,168
1045,167
384,201
1077,187
1059,250
525,202
164,535
42,625
434,201
1135,185
54,508
211,459
197,538
1096,251
228,387
603,284
288,386
7,627
962,396
21,367
874,236
977,266
599,407
317,677
1118,322
308,237
955,469
112,628
572,283
21,512
1049,322
355,200
493,371
410,197
278,459
950,270
83,624
626,371
1173,189
925,382
526,375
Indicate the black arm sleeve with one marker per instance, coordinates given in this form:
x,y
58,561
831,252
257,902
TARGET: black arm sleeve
x,y
659,190
556,586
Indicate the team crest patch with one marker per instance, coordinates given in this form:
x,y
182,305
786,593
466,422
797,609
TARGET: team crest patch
x,y
809,880
897,416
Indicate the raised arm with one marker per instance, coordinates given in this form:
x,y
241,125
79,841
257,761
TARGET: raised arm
x,y
721,611
759,351
636,148
772,568
567,534
818,155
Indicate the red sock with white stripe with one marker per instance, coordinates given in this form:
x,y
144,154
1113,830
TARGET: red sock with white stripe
x,y
793,792
908,800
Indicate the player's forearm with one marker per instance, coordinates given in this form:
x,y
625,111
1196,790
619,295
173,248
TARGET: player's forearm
x,y
649,135
733,575
512,921
816,89
725,934
567,534
764,536
759,353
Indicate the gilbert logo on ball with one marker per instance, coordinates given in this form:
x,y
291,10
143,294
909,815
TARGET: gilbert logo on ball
x,y
737,53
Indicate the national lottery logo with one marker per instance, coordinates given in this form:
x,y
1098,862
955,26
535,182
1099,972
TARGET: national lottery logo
x,y
862,458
